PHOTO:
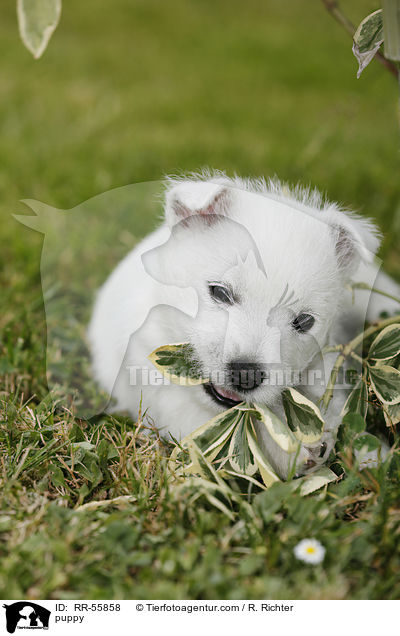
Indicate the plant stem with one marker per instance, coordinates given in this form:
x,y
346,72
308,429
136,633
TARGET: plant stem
x,y
375,291
357,357
348,349
398,83
332,349
332,6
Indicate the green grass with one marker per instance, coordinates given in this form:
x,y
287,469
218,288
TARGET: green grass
x,y
126,94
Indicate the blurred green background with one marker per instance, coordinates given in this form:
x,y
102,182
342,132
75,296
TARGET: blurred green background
x,y
130,90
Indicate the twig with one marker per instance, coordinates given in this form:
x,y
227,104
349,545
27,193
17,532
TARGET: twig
x,y
332,6
348,350
375,290
357,357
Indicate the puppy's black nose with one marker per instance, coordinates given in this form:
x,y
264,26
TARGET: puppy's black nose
x,y
245,376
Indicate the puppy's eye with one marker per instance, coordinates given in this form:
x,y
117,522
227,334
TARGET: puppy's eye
x,y
303,322
220,293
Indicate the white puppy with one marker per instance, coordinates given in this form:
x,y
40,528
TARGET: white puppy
x,y
256,278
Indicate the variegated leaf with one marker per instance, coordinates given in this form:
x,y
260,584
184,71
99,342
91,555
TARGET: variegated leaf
x,y
367,39
357,402
210,438
267,473
177,363
251,480
303,416
278,430
214,432
37,20
221,458
210,489
316,480
385,381
386,345
240,456
392,414
200,464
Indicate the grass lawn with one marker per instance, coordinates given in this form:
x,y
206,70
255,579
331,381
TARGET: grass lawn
x,y
126,93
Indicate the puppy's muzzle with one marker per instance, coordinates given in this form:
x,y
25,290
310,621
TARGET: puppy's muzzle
x,y
245,376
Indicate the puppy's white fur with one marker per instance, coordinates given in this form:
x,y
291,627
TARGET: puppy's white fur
x,y
281,252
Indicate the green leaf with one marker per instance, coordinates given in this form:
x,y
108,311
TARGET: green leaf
x,y
94,473
357,402
355,422
37,20
87,446
83,492
366,443
278,430
385,382
303,416
176,362
56,476
367,39
240,456
387,344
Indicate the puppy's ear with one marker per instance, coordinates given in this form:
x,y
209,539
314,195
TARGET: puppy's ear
x,y
202,199
355,238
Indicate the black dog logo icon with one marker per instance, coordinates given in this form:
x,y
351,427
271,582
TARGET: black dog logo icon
x,y
26,615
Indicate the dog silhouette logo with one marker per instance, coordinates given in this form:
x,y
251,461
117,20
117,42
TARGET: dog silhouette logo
x,y
26,615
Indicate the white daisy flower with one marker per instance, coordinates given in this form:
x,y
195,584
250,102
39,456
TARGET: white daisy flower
x,y
310,551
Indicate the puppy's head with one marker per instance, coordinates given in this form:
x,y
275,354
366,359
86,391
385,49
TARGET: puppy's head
x,y
270,270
